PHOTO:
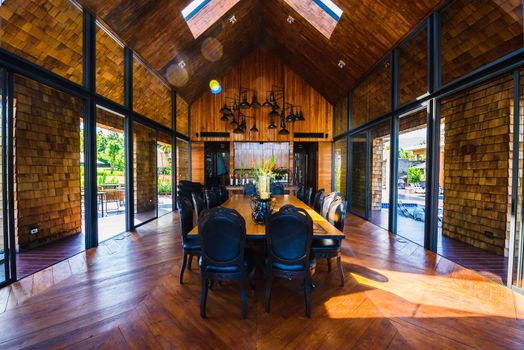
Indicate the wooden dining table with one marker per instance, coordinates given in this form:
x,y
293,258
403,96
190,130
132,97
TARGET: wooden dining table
x,y
242,203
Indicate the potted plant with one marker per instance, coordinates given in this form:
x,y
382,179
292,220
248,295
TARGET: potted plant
x,y
264,174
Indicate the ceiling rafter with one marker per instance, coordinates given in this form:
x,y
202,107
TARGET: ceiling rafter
x,y
366,32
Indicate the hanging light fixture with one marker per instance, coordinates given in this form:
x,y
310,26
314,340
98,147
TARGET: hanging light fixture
x,y
225,110
267,104
272,124
244,104
283,130
291,115
273,113
254,128
300,116
254,101
272,98
224,118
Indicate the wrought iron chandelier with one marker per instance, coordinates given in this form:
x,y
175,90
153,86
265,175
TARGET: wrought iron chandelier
x,y
235,113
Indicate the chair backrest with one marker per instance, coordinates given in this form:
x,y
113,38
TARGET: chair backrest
x,y
307,195
289,233
198,205
300,192
277,188
318,201
327,203
332,208
223,194
185,211
250,189
222,233
210,199
337,214
217,192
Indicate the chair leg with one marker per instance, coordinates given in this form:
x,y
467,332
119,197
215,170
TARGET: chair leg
x,y
190,261
340,271
203,298
328,262
243,298
307,294
269,282
184,262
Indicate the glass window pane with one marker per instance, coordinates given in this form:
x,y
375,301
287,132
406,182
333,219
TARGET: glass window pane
x,y
380,179
3,235
165,173
518,258
411,202
372,97
359,145
109,67
475,202
182,160
151,97
182,116
110,163
413,67
45,32
145,170
341,156
475,33
48,181
341,116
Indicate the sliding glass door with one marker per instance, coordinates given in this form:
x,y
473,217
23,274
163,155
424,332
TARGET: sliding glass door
x,y
4,241
359,174
411,176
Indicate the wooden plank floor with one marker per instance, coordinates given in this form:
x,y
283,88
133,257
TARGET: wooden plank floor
x,y
125,295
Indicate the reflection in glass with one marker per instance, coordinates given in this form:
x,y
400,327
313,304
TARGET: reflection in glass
x,y
145,171
110,167
182,160
413,67
475,33
340,161
380,174
359,173
109,66
411,201
45,32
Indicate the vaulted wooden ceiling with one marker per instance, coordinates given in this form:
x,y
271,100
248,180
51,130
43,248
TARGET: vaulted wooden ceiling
x,y
366,32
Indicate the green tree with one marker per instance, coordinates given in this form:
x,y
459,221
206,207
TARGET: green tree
x,y
415,175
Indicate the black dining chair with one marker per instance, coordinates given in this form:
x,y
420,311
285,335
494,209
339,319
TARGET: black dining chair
x,y
289,233
308,196
325,248
224,195
222,233
276,188
300,192
327,203
198,206
217,193
250,189
190,247
318,201
210,199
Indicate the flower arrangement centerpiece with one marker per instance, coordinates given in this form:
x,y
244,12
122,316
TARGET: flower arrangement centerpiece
x,y
263,174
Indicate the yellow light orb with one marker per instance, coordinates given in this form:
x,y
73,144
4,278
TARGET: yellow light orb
x,y
214,84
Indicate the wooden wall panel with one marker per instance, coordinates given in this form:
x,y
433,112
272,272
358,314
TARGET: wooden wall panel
x,y
197,162
182,116
324,165
261,70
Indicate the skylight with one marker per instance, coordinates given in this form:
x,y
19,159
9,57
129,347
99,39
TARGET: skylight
x,y
202,14
321,14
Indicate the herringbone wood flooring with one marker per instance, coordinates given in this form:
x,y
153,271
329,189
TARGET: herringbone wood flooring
x,y
125,294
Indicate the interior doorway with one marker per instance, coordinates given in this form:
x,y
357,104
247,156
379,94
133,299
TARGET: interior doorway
x,y
216,163
305,156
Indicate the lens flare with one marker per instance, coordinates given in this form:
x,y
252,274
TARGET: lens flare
x,y
212,49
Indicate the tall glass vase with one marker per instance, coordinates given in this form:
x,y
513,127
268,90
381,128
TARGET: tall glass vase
x,y
263,185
